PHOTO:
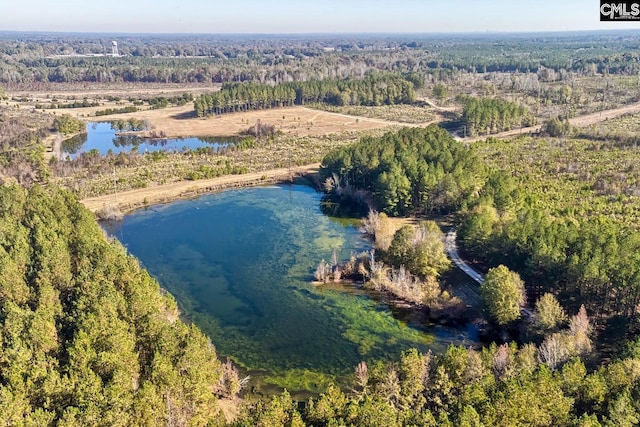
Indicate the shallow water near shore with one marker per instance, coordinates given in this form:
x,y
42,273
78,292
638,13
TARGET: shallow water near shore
x,y
240,264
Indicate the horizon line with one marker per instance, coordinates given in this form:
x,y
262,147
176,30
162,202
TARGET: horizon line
x,y
329,33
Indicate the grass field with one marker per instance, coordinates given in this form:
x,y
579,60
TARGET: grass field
x,y
296,121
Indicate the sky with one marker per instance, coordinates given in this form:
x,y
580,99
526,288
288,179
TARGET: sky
x,y
303,16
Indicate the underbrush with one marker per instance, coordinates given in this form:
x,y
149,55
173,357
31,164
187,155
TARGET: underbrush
x,y
585,178
92,175
396,113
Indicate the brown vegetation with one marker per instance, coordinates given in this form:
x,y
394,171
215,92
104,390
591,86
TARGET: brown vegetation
x,y
133,199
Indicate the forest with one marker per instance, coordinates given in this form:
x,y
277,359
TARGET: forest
x,y
498,386
409,172
87,337
375,89
40,58
490,115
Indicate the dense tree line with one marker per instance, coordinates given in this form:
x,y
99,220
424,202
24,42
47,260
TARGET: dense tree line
x,y
34,58
87,337
409,171
492,115
593,261
497,386
375,89
75,104
110,111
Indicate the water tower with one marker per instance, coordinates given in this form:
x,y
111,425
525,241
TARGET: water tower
x,y
114,48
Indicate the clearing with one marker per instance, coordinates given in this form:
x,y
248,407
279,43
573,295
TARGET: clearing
x,y
174,122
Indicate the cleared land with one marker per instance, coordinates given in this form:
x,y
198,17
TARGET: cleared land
x,y
181,121
134,199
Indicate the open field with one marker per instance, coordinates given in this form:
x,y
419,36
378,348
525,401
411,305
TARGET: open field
x,y
181,121
45,92
298,121
407,114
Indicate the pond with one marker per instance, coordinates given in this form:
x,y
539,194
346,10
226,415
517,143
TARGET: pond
x,y
240,264
101,137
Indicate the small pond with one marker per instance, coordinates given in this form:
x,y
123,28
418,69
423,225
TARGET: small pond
x,y
240,264
103,138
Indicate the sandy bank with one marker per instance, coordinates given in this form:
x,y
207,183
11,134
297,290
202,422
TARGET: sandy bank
x,y
133,199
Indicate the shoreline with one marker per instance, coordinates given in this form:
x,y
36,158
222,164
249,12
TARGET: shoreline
x,y
130,200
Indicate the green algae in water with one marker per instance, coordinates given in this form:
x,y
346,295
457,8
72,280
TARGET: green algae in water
x,y
240,264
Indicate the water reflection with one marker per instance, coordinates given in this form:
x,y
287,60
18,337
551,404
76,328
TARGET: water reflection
x,y
103,138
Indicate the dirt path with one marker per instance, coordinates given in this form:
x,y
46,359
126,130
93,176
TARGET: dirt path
x,y
452,250
431,103
465,290
133,199
580,121
469,292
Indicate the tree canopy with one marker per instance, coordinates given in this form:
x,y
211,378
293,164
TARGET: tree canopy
x,y
374,89
408,171
503,294
87,337
497,386
492,115
66,124
420,249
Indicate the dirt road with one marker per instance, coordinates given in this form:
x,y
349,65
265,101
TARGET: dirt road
x,y
580,121
133,199
471,293
452,250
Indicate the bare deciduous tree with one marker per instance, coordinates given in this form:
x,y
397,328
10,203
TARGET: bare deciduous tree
x,y
553,351
370,224
362,376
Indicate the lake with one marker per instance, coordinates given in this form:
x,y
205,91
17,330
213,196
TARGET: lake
x,y
240,264
101,137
